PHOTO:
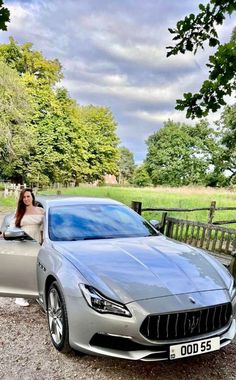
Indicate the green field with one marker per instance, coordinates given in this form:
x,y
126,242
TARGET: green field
x,y
186,197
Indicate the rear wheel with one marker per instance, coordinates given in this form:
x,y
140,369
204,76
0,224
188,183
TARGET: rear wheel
x,y
57,318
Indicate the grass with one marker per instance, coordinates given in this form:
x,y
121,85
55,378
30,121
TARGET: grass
x,y
185,197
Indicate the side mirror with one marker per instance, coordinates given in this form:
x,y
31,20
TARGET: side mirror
x,y
155,223
14,233
6,223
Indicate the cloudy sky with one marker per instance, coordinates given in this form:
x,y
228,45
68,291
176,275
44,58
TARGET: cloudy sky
x,y
113,54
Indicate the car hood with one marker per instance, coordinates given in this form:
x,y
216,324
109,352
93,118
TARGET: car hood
x,y
132,269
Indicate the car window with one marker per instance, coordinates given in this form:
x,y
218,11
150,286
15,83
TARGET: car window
x,y
100,221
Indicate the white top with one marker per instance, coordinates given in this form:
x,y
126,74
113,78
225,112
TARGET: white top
x,y
32,224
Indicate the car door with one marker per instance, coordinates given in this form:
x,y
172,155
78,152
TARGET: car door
x,y
18,268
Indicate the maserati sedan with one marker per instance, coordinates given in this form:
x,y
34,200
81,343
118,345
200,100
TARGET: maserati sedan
x,y
111,284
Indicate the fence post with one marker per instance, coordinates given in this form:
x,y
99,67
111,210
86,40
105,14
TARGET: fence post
x,y
137,206
168,228
232,266
163,222
211,212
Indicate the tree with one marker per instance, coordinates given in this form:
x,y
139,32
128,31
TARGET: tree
x,y
25,60
4,16
17,138
191,33
38,76
180,154
227,132
126,165
71,143
50,160
102,153
140,176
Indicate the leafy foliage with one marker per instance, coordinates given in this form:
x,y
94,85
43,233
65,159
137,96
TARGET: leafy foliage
x,y
65,142
126,165
228,142
4,16
191,33
140,177
25,60
16,134
180,154
101,140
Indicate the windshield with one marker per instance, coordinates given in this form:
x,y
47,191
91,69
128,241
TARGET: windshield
x,y
96,221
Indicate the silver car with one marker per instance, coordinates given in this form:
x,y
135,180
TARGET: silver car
x,y
112,285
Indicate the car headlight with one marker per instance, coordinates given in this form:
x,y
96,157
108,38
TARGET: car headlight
x,y
102,304
232,289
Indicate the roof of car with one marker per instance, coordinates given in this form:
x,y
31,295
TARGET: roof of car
x,y
60,200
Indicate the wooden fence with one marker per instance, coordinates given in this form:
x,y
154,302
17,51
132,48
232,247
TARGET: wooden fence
x,y
12,189
211,236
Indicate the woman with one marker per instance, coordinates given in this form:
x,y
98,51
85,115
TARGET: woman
x,y
29,218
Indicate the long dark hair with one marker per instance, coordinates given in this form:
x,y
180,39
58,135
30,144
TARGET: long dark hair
x,y
21,207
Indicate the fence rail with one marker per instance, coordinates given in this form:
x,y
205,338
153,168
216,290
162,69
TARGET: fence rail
x,y
186,209
137,206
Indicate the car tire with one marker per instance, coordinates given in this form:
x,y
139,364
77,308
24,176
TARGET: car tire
x,y
57,318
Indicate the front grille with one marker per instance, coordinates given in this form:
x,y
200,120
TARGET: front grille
x,y
186,324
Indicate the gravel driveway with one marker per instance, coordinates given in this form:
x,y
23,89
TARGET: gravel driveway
x,y
26,353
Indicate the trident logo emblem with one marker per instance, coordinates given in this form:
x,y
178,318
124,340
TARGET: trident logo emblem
x,y
193,322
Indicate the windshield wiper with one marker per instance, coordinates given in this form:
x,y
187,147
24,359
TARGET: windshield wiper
x,y
98,237
105,237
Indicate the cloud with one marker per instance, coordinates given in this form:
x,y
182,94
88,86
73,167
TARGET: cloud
x,y
158,117
117,88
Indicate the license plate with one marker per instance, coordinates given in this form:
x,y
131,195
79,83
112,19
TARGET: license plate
x,y
194,348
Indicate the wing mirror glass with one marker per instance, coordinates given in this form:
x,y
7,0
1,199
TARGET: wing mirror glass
x,y
155,223
5,223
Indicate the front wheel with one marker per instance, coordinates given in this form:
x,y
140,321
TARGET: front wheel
x,y
57,318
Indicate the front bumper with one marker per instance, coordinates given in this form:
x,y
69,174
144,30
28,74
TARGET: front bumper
x,y
124,347
117,336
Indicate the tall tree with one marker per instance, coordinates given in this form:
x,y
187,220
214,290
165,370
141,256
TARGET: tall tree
x,y
52,123
227,131
126,165
17,137
180,154
38,75
102,151
191,33
4,16
71,143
